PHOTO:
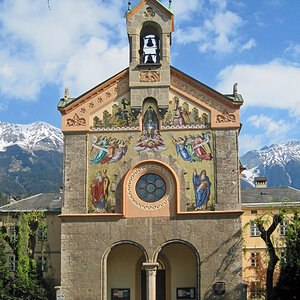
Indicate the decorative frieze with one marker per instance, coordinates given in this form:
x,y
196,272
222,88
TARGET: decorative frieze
x,y
149,76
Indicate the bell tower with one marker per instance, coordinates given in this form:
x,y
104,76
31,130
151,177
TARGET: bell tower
x,y
149,26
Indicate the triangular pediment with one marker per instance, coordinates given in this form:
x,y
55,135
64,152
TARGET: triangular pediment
x,y
223,109
77,113
141,6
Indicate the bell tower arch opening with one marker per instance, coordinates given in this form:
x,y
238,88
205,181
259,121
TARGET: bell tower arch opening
x,y
150,43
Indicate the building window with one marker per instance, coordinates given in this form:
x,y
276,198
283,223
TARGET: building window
x,y
256,291
282,257
42,264
43,233
254,231
150,187
13,231
12,264
283,228
254,258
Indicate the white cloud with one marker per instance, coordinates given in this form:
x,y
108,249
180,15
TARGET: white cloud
x,y
294,50
273,85
38,46
93,64
190,34
217,29
248,142
270,126
250,44
183,10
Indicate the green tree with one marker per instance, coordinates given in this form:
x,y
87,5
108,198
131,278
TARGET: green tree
x,y
287,286
27,282
266,232
4,273
267,224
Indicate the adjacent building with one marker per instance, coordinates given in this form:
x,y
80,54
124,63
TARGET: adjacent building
x,y
47,249
263,201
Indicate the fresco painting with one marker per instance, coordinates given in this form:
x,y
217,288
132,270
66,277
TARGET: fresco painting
x,y
193,148
99,190
122,115
201,184
180,115
109,150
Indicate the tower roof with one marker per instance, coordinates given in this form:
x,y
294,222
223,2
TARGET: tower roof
x,y
167,11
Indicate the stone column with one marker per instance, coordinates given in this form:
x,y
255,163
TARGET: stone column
x,y
150,269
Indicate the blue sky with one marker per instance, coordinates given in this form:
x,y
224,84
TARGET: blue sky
x,y
80,43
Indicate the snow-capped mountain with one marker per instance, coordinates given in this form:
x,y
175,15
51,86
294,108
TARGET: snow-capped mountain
x,y
32,137
30,158
280,163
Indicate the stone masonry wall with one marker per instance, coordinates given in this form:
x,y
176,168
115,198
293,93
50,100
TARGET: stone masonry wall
x,y
227,170
216,238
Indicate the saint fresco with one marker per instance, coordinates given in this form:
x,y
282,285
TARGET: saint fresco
x,y
100,191
202,186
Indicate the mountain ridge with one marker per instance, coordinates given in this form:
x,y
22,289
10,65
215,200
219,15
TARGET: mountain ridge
x,y
31,137
30,158
280,163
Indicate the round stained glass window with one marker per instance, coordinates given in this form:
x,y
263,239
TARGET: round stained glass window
x,y
150,188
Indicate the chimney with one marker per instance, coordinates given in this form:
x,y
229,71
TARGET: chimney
x,y
12,199
260,182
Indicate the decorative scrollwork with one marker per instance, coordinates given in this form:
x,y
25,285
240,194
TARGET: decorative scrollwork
x,y
225,117
76,121
149,13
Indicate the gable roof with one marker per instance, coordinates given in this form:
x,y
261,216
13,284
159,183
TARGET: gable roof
x,y
167,11
233,98
63,103
277,196
46,202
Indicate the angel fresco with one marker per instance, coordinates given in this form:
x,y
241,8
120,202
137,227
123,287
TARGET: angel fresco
x,y
201,185
109,149
193,147
150,140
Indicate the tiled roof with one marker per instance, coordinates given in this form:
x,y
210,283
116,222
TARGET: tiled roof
x,y
268,196
47,202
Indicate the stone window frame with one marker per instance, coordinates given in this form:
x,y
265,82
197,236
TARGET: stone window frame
x,y
145,168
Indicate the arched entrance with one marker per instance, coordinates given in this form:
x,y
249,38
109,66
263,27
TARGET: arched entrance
x,y
121,271
183,272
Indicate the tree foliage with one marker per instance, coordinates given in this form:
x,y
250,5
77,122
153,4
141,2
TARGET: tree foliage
x,y
287,286
4,273
27,281
267,224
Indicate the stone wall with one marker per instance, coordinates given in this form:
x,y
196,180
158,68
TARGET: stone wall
x,y
216,238
217,241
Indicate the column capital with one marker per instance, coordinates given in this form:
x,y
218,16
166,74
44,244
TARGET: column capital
x,y
150,266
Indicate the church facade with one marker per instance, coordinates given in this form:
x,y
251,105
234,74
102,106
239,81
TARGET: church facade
x,y
152,200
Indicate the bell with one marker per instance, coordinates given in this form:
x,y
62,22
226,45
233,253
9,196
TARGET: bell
x,y
150,43
150,60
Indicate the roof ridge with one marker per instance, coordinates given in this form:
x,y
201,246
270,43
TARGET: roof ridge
x,y
28,198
